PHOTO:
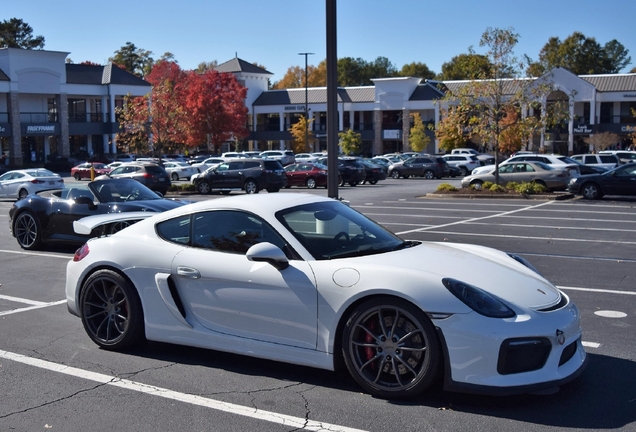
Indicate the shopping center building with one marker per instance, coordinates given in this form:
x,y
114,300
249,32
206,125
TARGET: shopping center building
x,y
53,108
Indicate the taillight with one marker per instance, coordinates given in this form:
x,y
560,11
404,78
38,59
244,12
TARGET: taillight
x,y
81,253
147,175
36,181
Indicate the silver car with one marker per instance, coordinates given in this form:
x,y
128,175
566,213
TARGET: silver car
x,y
20,183
553,177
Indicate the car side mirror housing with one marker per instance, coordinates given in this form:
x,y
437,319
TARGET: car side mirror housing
x,y
85,200
269,253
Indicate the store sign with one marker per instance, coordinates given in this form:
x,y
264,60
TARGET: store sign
x,y
391,134
295,108
628,129
43,129
583,129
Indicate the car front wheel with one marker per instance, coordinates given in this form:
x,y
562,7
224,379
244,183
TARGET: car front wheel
x,y
591,191
27,231
428,175
311,183
390,348
77,176
175,177
111,311
395,174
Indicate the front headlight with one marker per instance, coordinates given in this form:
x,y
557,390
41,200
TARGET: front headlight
x,y
478,300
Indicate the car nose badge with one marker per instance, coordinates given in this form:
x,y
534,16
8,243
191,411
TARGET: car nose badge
x,y
560,337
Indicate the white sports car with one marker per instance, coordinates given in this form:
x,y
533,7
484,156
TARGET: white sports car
x,y
310,281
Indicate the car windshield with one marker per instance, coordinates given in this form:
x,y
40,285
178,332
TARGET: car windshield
x,y
331,230
122,190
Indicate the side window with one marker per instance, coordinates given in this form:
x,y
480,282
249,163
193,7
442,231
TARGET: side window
x,y
232,231
235,165
251,164
529,168
589,159
507,168
175,230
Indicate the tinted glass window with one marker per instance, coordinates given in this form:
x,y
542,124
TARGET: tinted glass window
x,y
272,165
175,230
252,164
154,169
607,159
232,231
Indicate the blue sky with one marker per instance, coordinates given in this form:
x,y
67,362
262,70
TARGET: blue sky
x,y
273,32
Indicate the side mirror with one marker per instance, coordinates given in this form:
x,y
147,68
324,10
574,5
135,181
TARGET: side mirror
x,y
269,253
85,200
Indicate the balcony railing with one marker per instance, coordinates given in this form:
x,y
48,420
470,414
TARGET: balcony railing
x,y
38,117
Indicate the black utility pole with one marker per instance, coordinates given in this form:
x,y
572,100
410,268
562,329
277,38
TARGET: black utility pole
x,y
306,103
332,102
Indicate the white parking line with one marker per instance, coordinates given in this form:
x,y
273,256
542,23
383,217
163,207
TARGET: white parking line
x,y
251,412
66,257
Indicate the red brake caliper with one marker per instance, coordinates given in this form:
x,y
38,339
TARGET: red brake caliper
x,y
369,339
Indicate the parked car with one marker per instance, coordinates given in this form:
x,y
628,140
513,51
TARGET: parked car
x,y
623,156
483,158
374,172
428,167
250,175
306,157
619,181
285,157
179,170
20,183
350,170
606,161
308,280
209,163
125,157
550,159
553,177
48,216
464,162
306,174
83,171
149,174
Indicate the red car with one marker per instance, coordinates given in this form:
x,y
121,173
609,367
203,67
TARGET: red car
x,y
310,175
83,171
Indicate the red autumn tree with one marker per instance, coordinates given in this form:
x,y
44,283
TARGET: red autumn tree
x,y
215,103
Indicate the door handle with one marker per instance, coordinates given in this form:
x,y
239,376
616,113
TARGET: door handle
x,y
188,272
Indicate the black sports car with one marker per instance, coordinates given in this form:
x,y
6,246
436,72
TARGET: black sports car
x,y
48,216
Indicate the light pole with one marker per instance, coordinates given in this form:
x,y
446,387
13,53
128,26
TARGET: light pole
x,y
306,104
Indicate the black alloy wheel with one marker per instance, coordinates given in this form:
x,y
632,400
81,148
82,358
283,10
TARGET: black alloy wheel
x,y
27,231
111,311
390,348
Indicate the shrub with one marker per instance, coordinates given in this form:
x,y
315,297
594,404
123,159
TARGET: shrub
x,y
446,187
496,188
487,184
512,186
184,187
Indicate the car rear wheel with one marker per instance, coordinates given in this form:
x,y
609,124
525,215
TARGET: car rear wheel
x,y
175,177
23,193
251,187
463,171
111,311
428,175
390,348
311,183
373,182
26,229
203,187
395,174
591,191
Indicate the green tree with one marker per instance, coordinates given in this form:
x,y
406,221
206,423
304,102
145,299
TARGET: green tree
x,y
416,69
203,66
580,55
350,142
350,71
466,67
15,33
135,60
418,140
486,110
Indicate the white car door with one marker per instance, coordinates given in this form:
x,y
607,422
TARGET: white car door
x,y
229,294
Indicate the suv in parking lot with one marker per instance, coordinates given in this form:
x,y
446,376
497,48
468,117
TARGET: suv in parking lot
x,y
464,162
607,161
285,157
251,175
422,166
624,156
151,175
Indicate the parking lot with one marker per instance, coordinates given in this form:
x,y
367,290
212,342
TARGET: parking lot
x,y
53,377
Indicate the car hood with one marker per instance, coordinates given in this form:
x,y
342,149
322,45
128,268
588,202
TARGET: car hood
x,y
156,205
489,269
